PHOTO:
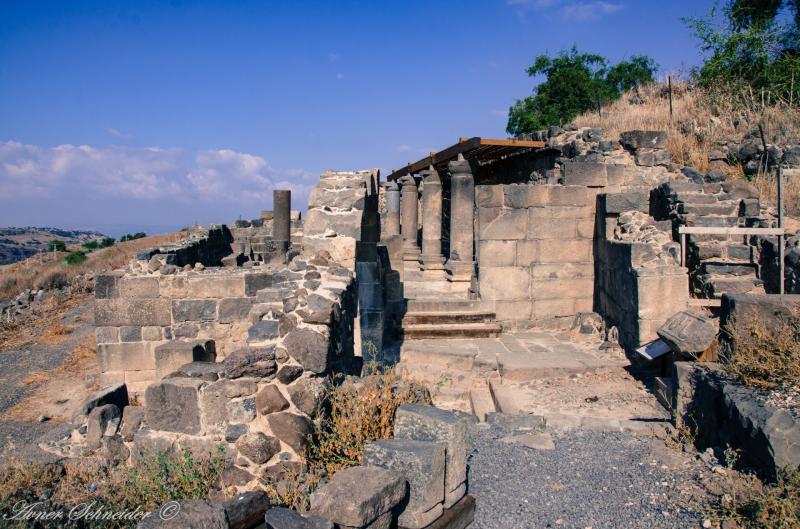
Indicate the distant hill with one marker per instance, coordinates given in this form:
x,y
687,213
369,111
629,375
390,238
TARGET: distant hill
x,y
17,244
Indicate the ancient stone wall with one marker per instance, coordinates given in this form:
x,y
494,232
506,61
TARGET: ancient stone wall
x,y
639,282
535,250
139,311
335,213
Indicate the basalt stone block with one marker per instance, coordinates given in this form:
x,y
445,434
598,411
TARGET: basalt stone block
x,y
309,348
428,423
257,447
617,203
172,355
116,312
357,496
188,514
292,429
256,362
688,333
288,373
233,310
132,417
270,400
590,174
283,518
209,371
422,463
246,510
173,405
130,334
116,394
263,330
103,421
650,139
256,281
235,431
105,285
307,394
194,310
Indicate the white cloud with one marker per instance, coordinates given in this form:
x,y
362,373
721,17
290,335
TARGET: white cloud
x,y
403,148
149,173
114,133
589,10
581,10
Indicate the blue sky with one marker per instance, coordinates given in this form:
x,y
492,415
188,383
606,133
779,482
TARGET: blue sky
x,y
152,115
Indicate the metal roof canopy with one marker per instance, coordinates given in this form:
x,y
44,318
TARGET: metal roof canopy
x,y
476,148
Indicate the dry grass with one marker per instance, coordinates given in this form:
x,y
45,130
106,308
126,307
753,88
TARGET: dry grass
x,y
76,364
351,414
356,413
146,485
762,351
38,270
700,119
748,503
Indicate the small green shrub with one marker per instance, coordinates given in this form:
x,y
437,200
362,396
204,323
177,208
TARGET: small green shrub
x,y
106,242
75,258
57,246
132,236
91,245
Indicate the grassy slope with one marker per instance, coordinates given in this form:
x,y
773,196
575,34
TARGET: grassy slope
x,y
699,121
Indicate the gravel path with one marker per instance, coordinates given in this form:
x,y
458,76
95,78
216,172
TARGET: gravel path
x,y
592,479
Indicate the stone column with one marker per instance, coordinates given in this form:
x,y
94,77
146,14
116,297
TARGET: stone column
x,y
392,225
432,258
281,217
460,266
408,211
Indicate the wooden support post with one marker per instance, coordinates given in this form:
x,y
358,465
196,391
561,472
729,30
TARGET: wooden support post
x,y
669,80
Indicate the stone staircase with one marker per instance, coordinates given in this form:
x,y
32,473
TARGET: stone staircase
x,y
718,264
439,309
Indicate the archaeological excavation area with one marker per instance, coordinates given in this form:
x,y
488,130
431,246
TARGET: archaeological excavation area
x,y
549,294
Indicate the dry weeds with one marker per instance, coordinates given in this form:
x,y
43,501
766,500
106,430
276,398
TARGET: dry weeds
x,y
700,119
762,351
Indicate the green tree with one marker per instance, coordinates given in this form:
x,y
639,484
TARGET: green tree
x,y
749,44
56,245
575,82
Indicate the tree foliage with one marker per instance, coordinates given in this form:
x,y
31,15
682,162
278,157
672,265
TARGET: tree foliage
x,y
575,82
751,44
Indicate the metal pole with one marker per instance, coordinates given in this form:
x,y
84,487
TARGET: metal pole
x,y
780,196
683,249
780,225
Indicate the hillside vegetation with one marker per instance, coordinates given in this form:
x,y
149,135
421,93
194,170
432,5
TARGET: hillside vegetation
x,y
701,120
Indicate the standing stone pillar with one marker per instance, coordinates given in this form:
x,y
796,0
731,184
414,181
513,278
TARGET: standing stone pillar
x,y
432,258
408,210
392,225
281,218
460,266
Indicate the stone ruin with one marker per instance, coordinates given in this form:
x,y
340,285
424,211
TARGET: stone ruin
x,y
226,337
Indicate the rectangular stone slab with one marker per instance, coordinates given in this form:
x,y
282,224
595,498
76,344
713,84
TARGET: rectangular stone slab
x,y
422,463
427,423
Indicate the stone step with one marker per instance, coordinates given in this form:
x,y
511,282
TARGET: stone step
x,y
704,221
439,317
720,208
444,305
729,268
451,330
694,198
714,286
